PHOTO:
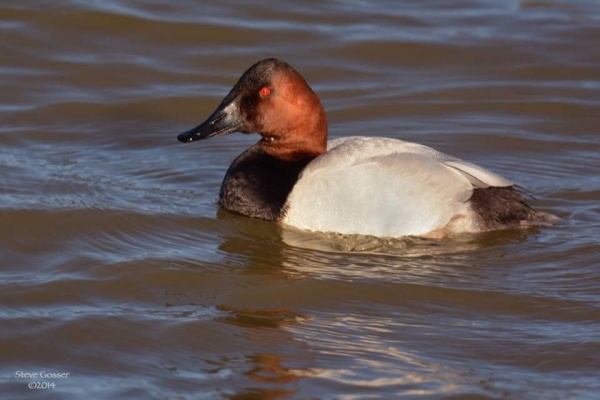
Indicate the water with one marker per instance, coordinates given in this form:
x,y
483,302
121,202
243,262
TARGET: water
x,y
118,271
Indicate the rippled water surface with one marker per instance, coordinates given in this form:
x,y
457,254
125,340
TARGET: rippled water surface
x,y
118,272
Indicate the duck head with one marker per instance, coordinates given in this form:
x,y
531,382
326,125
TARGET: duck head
x,y
272,99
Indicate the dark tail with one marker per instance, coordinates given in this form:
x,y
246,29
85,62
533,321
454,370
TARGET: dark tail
x,y
507,207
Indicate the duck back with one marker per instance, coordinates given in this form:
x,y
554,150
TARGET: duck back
x,y
387,187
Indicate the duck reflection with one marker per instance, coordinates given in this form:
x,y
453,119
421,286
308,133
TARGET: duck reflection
x,y
270,377
292,288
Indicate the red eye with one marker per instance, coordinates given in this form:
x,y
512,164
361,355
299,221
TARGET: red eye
x,y
264,92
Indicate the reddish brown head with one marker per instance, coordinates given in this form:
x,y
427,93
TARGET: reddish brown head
x,y
272,99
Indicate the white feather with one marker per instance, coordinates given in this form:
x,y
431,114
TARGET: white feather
x,y
385,187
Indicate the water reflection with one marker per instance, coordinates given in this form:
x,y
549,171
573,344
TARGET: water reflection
x,y
406,246
279,252
297,288
268,372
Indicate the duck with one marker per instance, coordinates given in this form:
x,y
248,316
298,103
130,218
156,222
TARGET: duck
x,y
354,185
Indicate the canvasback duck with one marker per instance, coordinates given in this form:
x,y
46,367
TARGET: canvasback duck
x,y
354,185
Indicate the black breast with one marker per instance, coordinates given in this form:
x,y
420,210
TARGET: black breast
x,y
257,184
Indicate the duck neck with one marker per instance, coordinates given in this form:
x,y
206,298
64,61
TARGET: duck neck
x,y
257,184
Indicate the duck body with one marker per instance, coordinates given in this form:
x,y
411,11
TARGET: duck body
x,y
354,185
387,187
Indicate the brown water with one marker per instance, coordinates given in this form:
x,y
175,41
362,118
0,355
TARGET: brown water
x,y
117,269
